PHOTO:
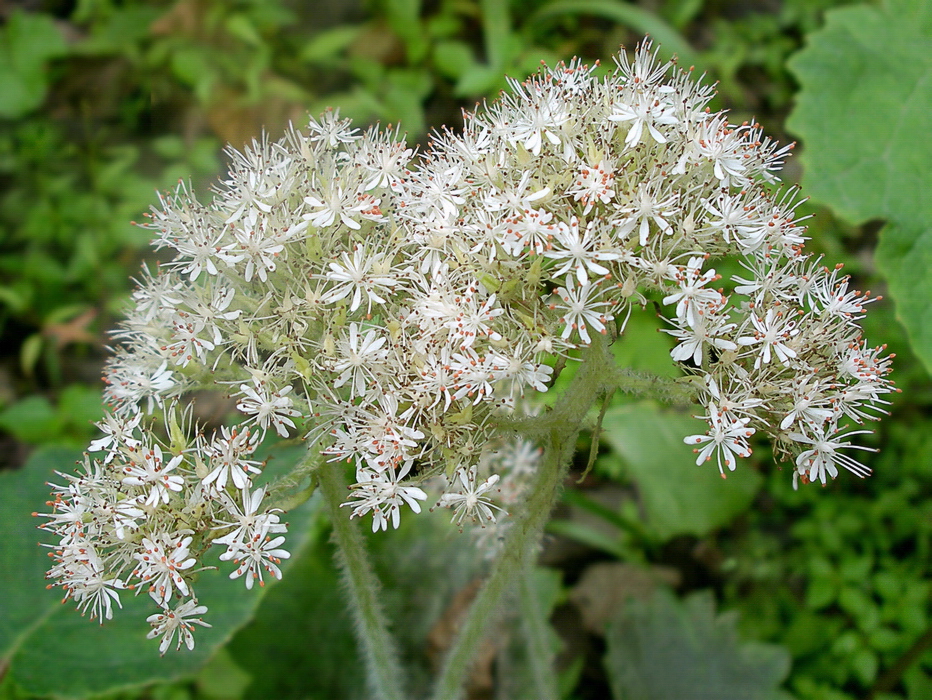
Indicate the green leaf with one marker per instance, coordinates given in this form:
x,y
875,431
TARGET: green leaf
x,y
678,496
669,649
326,45
22,563
13,298
38,633
404,17
918,683
863,114
241,26
405,93
27,42
477,79
628,14
904,255
30,352
496,26
301,644
80,406
589,536
644,348
453,58
222,678
31,420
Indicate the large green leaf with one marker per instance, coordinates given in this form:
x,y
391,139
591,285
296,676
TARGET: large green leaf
x,y
678,496
668,649
37,633
22,563
864,113
301,643
27,42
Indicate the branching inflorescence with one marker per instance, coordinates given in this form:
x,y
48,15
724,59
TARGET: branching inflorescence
x,y
395,313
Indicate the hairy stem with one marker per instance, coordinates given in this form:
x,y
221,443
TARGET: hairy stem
x,y
384,673
557,431
537,637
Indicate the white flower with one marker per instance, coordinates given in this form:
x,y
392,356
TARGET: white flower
x,y
268,408
579,252
473,320
772,332
692,297
227,455
148,470
646,205
348,206
161,562
727,438
708,330
86,580
255,554
364,274
736,216
331,130
594,184
383,494
645,109
259,247
470,502
181,621
132,378
815,463
724,146
581,310
811,405
248,523
187,343
357,357
118,432
544,114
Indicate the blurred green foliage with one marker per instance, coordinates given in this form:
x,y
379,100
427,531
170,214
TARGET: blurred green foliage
x,y
106,101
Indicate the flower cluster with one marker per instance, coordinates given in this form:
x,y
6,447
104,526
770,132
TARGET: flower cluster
x,y
141,513
396,313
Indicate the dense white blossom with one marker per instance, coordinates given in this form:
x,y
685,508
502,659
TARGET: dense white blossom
x,y
399,315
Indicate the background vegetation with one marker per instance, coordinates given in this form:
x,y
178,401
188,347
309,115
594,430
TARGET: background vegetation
x,y
826,591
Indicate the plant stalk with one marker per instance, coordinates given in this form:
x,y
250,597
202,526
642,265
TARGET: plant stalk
x,y
558,429
537,637
383,671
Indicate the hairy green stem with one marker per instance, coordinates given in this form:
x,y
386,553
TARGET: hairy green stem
x,y
537,636
557,430
681,391
384,672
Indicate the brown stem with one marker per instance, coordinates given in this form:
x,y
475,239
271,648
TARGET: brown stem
x,y
892,675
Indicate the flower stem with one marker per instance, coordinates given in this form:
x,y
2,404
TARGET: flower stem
x,y
384,673
537,635
557,431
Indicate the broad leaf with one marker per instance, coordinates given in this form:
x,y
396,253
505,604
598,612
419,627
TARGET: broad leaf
x,y
301,643
27,42
670,649
38,633
905,257
864,116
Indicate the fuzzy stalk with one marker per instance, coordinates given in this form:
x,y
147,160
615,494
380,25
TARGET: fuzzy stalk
x,y
557,430
379,649
537,636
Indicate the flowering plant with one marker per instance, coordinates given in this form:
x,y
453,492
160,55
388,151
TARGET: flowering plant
x,y
400,315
